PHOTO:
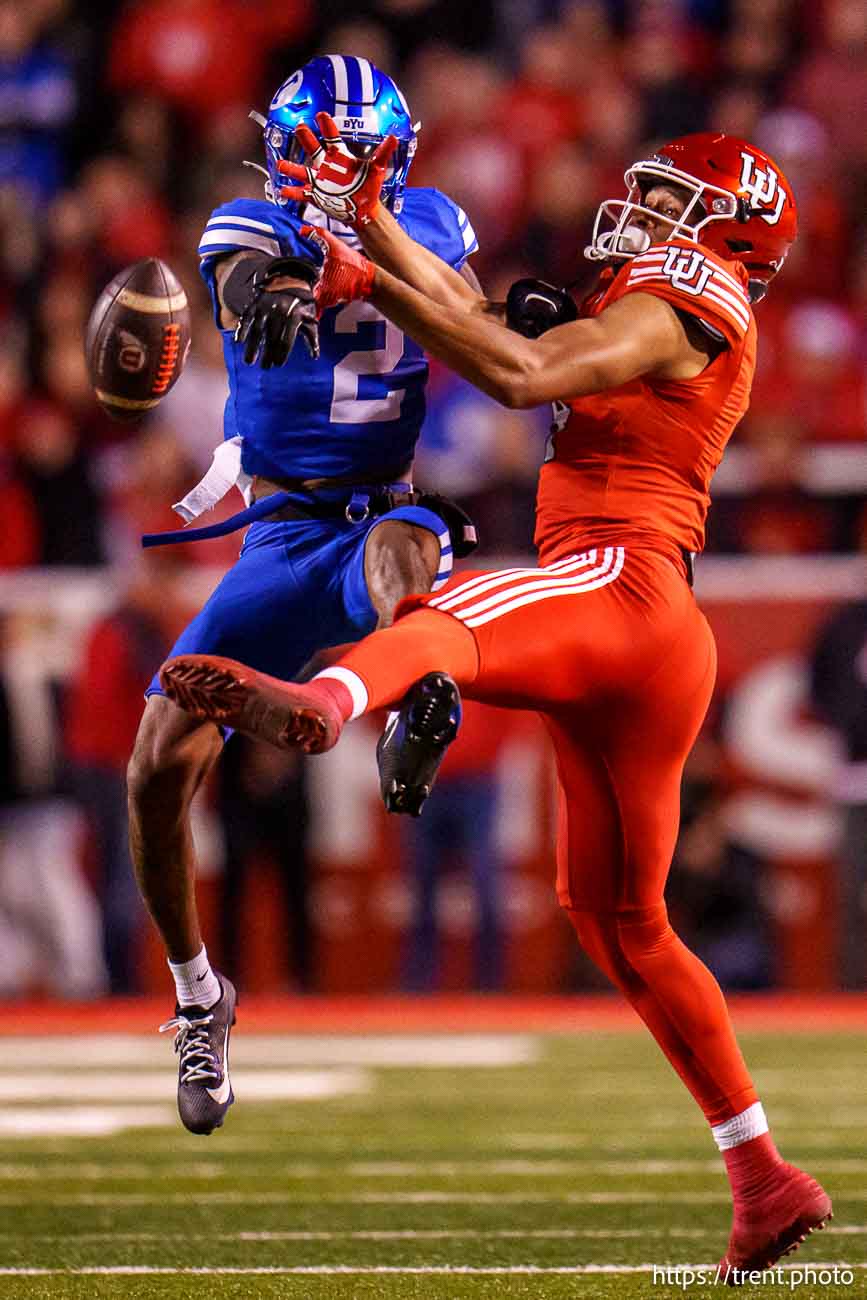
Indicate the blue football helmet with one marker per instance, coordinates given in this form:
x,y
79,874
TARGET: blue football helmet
x,y
364,102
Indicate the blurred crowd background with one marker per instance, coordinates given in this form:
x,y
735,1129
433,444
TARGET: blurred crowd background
x,y
121,126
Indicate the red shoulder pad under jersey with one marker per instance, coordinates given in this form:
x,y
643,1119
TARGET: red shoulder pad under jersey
x,y
692,279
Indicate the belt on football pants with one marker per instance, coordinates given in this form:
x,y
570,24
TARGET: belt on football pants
x,y
689,565
336,499
354,503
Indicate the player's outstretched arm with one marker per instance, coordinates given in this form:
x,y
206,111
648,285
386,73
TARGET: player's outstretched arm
x,y
388,244
268,301
348,188
638,335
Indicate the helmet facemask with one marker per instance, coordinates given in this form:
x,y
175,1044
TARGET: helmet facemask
x,y
282,145
360,145
623,239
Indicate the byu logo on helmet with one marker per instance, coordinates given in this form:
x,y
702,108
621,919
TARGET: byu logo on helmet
x,y
286,93
687,271
763,186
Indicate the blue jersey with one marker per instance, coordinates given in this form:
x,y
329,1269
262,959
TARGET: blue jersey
x,y
358,409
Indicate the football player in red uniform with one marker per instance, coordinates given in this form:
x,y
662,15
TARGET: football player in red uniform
x,y
604,638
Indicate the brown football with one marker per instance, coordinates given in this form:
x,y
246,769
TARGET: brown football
x,y
137,339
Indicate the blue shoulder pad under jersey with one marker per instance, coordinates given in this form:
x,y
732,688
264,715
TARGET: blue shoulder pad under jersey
x,y
250,224
358,409
433,219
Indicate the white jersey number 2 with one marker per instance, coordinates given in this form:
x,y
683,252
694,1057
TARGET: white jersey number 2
x,y
346,406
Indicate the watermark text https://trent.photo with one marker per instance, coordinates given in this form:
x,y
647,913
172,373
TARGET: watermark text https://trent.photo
x,y
685,1277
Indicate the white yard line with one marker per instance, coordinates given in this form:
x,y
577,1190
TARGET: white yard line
x,y
374,1234
534,1168
421,1197
83,1172
252,1050
333,1270
554,1168
373,1170
511,1234
414,1234
256,1142
81,1121
253,1085
126,1171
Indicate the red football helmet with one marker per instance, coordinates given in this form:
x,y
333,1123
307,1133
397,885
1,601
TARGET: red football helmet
x,y
742,206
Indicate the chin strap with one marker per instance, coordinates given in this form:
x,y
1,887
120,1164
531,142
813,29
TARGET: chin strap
x,y
257,167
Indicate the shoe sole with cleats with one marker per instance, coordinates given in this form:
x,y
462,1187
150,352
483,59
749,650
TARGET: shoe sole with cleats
x,y
220,690
414,744
811,1217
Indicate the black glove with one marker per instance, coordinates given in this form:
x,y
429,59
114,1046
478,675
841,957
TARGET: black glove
x,y
533,307
462,530
272,321
269,321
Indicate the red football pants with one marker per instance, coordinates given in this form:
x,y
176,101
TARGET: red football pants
x,y
612,649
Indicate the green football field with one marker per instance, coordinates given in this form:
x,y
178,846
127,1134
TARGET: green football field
x,y
429,1165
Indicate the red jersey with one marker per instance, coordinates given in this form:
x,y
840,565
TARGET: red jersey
x,y
633,465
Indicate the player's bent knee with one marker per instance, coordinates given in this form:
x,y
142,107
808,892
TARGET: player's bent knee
x,y
399,548
644,934
623,943
171,755
399,560
597,935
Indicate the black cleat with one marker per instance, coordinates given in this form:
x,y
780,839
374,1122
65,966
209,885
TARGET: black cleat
x,y
415,740
202,1042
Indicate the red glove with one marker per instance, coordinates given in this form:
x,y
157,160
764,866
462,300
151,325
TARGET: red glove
x,y
346,274
335,180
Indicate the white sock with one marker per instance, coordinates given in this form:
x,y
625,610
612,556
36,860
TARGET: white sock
x,y
750,1123
353,684
196,983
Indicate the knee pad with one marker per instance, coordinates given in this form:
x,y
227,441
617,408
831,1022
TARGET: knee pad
x,y
644,933
597,934
621,943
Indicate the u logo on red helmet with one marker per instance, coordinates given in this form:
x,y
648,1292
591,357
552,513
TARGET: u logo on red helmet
x,y
764,188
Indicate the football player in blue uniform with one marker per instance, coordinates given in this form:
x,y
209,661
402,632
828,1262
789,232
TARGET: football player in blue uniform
x,y
321,440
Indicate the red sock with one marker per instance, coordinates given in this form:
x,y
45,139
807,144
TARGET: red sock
x,y
332,691
388,662
751,1166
